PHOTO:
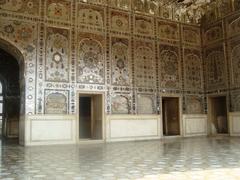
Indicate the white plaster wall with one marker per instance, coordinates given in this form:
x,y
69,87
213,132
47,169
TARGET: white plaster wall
x,y
133,127
22,130
234,123
50,129
194,125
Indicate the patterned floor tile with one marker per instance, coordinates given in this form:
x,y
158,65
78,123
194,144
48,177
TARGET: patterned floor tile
x,y
192,158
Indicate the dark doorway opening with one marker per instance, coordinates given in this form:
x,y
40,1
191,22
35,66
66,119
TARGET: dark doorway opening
x,y
170,113
10,96
90,116
85,111
219,119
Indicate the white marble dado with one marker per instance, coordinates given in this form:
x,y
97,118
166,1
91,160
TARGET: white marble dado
x,y
194,125
62,129
50,129
133,127
234,123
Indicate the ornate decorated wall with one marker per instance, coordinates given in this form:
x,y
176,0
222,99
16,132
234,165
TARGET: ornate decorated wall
x,y
135,52
221,40
133,55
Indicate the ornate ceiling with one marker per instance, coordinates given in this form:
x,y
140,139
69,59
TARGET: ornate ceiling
x,y
194,9
189,11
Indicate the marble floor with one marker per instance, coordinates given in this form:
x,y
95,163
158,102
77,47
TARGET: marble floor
x,y
191,158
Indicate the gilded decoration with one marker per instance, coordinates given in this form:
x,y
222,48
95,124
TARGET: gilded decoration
x,y
57,55
91,59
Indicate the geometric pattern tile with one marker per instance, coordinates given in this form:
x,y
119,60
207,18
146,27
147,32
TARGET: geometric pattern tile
x,y
198,158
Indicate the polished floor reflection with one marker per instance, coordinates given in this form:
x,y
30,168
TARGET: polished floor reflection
x,y
193,158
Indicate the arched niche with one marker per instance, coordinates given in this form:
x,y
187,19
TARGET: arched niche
x,y
56,103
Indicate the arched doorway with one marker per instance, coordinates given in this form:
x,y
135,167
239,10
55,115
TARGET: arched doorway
x,y
9,95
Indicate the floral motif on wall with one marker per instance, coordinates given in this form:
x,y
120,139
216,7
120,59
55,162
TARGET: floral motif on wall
x,y
123,4
120,104
21,33
95,1
166,12
120,62
146,6
235,101
145,104
145,64
91,15
234,27
139,5
193,70
152,7
213,34
119,21
56,102
143,25
21,6
91,57
169,67
191,35
224,7
215,70
236,4
86,63
57,54
168,30
59,9
236,65
194,104
23,36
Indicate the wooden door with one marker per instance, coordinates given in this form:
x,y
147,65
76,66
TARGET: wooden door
x,y
171,121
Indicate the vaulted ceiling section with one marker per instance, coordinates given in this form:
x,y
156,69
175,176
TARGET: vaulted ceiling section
x,y
188,11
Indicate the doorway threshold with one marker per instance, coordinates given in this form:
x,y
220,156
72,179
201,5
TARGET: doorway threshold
x,y
172,137
90,141
219,135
